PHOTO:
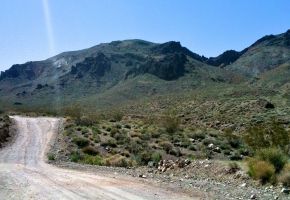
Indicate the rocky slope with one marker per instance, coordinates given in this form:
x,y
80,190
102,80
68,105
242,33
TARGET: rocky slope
x,y
122,72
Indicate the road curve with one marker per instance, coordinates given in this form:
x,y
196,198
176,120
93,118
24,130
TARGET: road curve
x,y
24,174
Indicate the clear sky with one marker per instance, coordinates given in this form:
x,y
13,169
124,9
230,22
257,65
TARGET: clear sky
x,y
38,29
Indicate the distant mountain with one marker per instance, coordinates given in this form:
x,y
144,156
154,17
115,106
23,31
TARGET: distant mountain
x,y
226,58
266,54
122,72
93,73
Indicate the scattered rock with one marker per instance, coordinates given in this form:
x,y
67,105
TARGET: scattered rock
x,y
285,190
142,176
253,196
243,185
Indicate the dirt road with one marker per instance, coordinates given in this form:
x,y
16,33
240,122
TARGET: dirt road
x,y
24,174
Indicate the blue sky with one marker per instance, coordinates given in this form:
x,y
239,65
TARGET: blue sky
x,y
207,27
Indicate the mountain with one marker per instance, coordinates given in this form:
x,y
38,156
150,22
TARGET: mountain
x,y
128,72
265,54
138,68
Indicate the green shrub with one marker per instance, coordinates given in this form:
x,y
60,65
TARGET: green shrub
x,y
145,136
90,150
127,126
171,124
156,157
176,152
118,126
274,156
51,156
267,135
185,143
134,147
110,142
192,147
155,134
234,140
261,170
117,115
81,142
85,121
199,135
118,161
75,156
145,157
113,132
92,160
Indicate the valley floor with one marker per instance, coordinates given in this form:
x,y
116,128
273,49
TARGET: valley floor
x,y
24,173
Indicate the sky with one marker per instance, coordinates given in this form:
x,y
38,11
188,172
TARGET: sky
x,y
38,29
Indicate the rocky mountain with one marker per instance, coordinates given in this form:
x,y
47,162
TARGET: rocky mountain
x,y
120,72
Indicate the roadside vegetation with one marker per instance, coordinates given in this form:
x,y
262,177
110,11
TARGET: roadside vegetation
x,y
4,128
120,140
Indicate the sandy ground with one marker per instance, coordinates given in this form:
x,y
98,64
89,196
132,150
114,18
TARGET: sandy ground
x,y
24,173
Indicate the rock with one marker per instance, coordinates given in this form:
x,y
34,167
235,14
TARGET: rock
x,y
253,196
243,185
217,149
285,190
211,146
142,176
151,164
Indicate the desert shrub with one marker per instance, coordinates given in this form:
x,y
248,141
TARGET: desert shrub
x,y
96,130
81,142
234,140
192,147
185,142
118,161
285,178
166,145
199,135
51,156
118,126
145,157
110,142
261,170
227,152
208,141
267,135
274,156
156,157
122,138
73,111
175,152
75,156
235,156
233,167
92,160
90,150
171,124
155,134
127,126
113,132
85,121
134,147
117,115
84,130
145,136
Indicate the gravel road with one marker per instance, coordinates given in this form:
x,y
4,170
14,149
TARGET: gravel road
x,y
24,173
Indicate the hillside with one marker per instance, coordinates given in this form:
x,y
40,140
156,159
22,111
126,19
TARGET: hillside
x,y
136,72
134,67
